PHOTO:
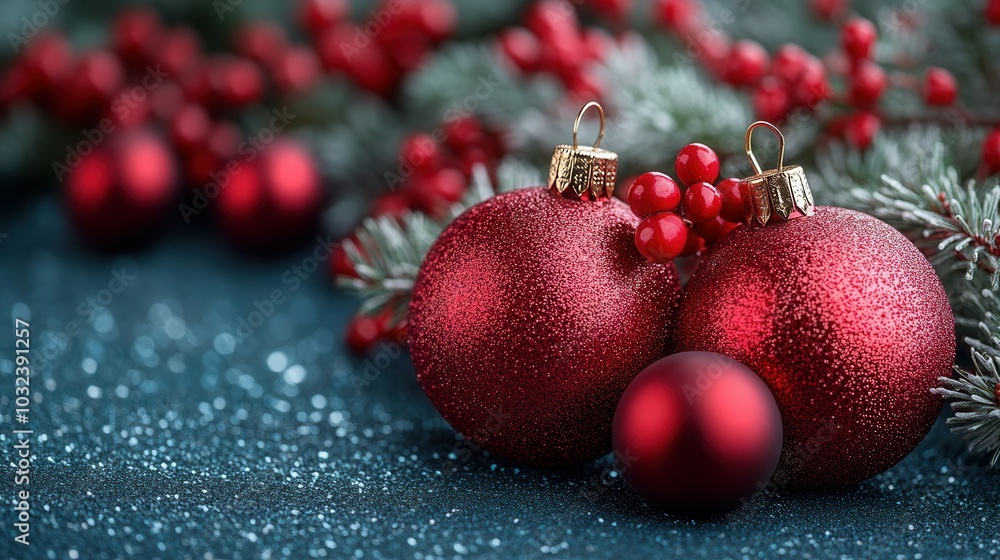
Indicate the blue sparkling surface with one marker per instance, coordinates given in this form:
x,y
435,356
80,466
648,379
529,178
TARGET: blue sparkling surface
x,y
161,431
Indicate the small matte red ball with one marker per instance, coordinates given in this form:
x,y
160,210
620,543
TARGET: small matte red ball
x,y
697,434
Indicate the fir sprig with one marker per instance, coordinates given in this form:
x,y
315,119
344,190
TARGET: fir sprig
x,y
386,253
975,403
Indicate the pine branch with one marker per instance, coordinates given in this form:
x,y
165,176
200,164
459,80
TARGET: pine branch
x,y
387,253
976,398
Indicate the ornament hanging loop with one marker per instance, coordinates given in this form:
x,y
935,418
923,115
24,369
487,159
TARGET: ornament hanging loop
x,y
778,195
747,145
579,118
584,172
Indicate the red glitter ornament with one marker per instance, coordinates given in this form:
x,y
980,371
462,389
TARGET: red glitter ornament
x,y
534,310
842,317
118,195
697,434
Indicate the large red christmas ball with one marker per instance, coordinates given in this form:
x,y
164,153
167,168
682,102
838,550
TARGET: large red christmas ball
x,y
119,194
530,315
846,322
697,434
272,201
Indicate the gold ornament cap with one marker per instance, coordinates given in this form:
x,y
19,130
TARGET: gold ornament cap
x,y
582,172
778,195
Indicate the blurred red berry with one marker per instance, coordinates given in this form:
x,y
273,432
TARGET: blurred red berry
x,y
615,10
866,83
858,37
828,10
48,62
993,11
261,41
771,99
295,70
236,82
436,19
991,151
940,87
392,205
747,63
340,263
790,61
99,76
861,128
179,50
522,48
136,33
318,15
420,151
552,20
679,16
190,127
813,87
362,334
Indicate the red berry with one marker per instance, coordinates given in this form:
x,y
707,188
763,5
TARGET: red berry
x,y
551,20
702,202
679,16
136,35
236,82
420,151
715,230
190,127
866,83
260,41
598,43
661,237
790,61
462,132
746,65
940,87
392,205
522,48
318,15
858,37
694,244
813,87
771,100
586,85
732,200
179,50
652,193
99,76
991,150
612,9
362,333
828,10
48,62
295,70
697,163
993,11
861,129
435,19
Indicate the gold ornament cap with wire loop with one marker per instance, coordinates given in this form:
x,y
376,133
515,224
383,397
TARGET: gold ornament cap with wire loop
x,y
582,172
780,194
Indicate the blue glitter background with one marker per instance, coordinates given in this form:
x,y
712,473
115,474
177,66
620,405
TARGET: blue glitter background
x,y
157,434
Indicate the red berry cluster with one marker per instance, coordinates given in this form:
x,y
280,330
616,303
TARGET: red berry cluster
x,y
435,170
153,75
377,53
554,42
668,211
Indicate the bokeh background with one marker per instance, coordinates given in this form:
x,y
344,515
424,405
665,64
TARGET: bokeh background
x,y
178,179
